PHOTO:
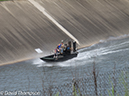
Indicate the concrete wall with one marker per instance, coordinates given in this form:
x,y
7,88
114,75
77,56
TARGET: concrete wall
x,y
23,27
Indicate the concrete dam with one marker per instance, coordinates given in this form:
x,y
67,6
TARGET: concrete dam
x,y
27,24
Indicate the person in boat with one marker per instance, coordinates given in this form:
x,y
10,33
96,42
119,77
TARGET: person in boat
x,y
57,51
61,47
68,49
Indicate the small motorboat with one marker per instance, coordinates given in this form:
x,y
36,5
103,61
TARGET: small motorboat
x,y
62,57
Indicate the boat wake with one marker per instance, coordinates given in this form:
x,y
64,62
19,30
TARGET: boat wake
x,y
87,55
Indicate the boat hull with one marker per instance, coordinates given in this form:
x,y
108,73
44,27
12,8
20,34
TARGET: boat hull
x,y
59,58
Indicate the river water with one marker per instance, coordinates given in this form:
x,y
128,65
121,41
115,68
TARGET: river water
x,y
34,74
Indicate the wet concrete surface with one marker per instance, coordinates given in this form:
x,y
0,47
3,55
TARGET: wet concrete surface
x,y
24,28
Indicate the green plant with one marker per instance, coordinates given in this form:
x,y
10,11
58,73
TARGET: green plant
x,y
57,94
75,91
111,91
4,0
125,83
123,80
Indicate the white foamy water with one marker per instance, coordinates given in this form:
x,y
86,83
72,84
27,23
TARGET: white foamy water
x,y
87,54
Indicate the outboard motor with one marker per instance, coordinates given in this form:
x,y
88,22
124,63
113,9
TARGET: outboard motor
x,y
74,46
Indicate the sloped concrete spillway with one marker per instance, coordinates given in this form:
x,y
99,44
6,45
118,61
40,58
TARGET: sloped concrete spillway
x,y
23,27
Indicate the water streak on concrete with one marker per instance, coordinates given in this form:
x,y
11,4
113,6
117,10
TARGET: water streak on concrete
x,y
39,7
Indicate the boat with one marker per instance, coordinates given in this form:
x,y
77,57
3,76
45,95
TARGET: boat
x,y
62,57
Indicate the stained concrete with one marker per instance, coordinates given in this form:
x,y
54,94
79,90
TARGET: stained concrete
x,y
24,28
